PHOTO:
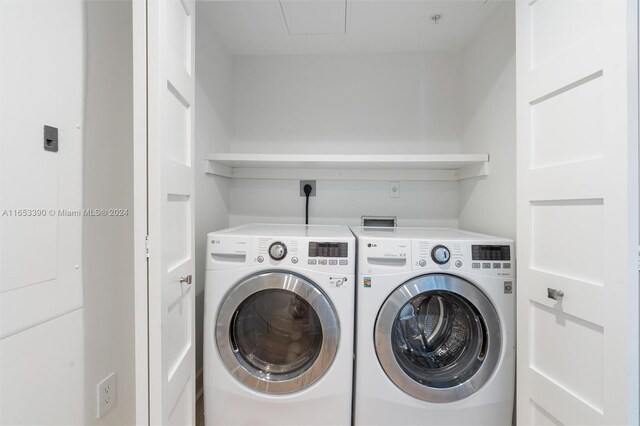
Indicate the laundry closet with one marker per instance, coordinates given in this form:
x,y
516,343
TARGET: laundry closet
x,y
505,118
401,81
420,95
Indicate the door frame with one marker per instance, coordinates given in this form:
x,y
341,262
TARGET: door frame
x,y
140,210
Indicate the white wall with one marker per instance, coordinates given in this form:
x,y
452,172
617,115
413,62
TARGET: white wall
x,y
332,104
41,380
42,350
487,204
49,372
213,132
108,183
344,202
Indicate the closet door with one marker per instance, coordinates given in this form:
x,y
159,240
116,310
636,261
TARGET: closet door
x,y
577,212
170,36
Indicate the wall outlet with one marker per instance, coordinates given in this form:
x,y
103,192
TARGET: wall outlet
x,y
313,187
394,189
107,394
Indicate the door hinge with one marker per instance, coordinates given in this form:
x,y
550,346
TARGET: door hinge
x,y
146,245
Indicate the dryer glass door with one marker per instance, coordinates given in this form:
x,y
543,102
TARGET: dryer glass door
x,y
438,338
277,332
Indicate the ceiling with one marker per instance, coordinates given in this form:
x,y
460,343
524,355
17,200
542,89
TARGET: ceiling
x,y
258,27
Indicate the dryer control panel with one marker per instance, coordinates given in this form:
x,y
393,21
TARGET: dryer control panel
x,y
315,254
378,256
327,252
469,256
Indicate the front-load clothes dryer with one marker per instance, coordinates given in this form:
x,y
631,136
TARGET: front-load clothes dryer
x,y
435,328
279,323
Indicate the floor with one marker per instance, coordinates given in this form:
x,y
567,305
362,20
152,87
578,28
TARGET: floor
x,y
200,411
200,401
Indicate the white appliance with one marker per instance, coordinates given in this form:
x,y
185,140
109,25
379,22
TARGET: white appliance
x,y
279,322
435,328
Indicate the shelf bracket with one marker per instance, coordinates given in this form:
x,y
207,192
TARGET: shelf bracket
x,y
473,171
211,167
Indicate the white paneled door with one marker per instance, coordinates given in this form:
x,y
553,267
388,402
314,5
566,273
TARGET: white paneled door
x,y
577,212
170,211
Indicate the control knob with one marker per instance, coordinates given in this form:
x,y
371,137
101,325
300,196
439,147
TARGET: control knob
x,y
440,255
277,251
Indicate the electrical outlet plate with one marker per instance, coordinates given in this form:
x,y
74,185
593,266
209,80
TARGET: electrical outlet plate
x,y
107,391
313,187
394,189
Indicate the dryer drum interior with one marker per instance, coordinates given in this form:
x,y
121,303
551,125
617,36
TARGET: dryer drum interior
x,y
276,331
438,338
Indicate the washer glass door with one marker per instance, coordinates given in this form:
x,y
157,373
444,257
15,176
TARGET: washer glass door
x,y
438,338
277,332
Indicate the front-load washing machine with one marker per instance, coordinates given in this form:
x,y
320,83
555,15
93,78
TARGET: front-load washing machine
x,y
435,328
279,321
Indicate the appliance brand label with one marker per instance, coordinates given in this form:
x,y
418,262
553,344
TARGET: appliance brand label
x,y
508,287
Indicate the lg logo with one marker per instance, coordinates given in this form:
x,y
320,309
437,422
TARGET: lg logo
x,y
372,245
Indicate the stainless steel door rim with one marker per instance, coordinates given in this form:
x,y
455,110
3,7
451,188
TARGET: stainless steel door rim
x,y
486,317
265,379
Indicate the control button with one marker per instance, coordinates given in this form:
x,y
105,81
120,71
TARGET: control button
x,y
475,265
486,266
294,260
497,266
440,255
506,265
422,263
322,262
339,282
458,263
312,261
277,251
260,259
333,262
344,262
